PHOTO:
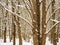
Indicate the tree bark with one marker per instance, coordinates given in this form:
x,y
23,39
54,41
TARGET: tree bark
x,y
54,29
38,21
34,22
43,22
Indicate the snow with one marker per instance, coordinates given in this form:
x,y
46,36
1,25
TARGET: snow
x,y
58,42
47,42
22,6
24,42
17,42
55,20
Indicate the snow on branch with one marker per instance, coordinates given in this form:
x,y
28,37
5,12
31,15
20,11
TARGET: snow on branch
x,y
52,14
15,14
54,20
23,6
52,27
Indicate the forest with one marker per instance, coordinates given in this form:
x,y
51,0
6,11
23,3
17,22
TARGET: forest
x,y
29,22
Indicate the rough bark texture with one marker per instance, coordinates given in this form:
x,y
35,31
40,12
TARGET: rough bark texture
x,y
38,21
43,22
34,22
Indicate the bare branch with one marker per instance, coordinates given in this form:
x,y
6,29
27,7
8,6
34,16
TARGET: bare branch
x,y
54,20
27,8
52,27
30,3
52,14
49,5
15,14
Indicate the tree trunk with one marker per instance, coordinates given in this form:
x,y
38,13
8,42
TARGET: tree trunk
x,y
18,24
5,34
14,34
43,22
14,26
34,22
38,21
54,29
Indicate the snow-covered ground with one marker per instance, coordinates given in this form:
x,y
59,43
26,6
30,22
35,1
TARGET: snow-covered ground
x,y
48,42
24,42
17,42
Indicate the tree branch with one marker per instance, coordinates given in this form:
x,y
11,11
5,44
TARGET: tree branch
x,y
52,27
27,8
54,20
15,14
52,14
49,5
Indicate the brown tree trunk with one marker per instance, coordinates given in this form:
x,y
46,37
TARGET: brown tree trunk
x,y
43,22
19,34
34,22
14,30
54,29
6,13
14,26
18,24
14,34
5,16
5,33
38,21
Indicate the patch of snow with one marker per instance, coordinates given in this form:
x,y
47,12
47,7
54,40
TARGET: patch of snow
x,y
47,42
24,42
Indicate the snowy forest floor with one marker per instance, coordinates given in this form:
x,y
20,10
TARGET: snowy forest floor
x,y
24,42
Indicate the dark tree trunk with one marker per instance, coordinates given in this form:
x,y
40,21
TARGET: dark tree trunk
x,y
5,33
38,21
14,30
